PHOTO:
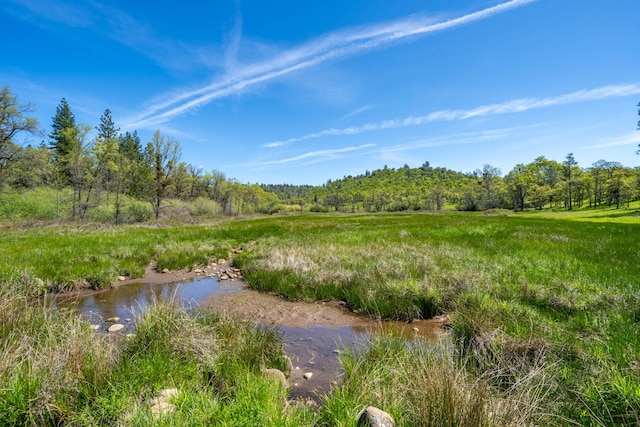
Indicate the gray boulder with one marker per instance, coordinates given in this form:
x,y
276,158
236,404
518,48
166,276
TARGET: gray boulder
x,y
374,417
277,375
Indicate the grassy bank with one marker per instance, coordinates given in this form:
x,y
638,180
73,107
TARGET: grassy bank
x,y
56,371
525,294
529,289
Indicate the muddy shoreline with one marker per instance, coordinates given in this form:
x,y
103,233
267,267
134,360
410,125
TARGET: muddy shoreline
x,y
313,332
265,308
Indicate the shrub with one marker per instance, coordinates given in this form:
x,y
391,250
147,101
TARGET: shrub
x,y
202,206
102,213
42,203
136,211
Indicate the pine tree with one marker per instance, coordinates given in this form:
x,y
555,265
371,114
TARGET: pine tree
x,y
62,144
63,120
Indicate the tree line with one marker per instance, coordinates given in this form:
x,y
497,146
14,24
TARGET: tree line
x,y
117,177
112,172
536,185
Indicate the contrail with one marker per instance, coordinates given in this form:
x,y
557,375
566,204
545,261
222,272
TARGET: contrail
x,y
513,106
319,154
339,44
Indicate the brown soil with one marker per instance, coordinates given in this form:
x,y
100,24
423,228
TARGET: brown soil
x,y
268,309
152,276
314,331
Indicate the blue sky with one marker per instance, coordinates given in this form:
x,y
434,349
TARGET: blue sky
x,y
302,92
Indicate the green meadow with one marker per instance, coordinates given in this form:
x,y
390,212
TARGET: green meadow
x,y
544,313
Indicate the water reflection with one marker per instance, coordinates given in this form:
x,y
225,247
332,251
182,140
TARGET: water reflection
x,y
127,300
311,349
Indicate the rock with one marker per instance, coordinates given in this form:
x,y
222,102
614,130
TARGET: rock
x,y
375,417
121,278
116,327
162,408
128,320
168,393
277,375
197,271
416,330
222,261
95,327
224,277
307,375
165,270
160,405
113,319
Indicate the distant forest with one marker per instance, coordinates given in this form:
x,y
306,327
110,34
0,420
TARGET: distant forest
x,y
539,184
115,177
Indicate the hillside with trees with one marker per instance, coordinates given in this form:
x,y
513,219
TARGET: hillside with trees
x,y
116,177
543,183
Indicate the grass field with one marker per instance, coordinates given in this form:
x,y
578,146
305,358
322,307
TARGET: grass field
x,y
545,310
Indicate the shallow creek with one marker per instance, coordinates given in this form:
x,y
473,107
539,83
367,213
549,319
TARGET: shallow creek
x,y
314,333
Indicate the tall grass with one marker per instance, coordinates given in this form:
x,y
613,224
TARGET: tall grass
x,y
66,258
49,360
428,385
569,288
515,288
55,371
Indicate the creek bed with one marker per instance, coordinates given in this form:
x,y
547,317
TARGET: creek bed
x,y
314,333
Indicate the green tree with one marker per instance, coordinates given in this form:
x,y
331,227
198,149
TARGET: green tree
x,y
61,136
568,174
490,186
163,155
105,149
598,179
129,173
181,181
197,182
14,119
31,168
76,160
135,179
546,176
101,161
438,194
619,187
519,182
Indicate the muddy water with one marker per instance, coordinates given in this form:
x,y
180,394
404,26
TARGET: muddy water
x,y
126,301
314,333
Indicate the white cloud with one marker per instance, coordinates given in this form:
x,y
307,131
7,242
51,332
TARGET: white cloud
x,y
628,139
335,45
233,44
513,106
358,111
319,155
456,139
58,11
